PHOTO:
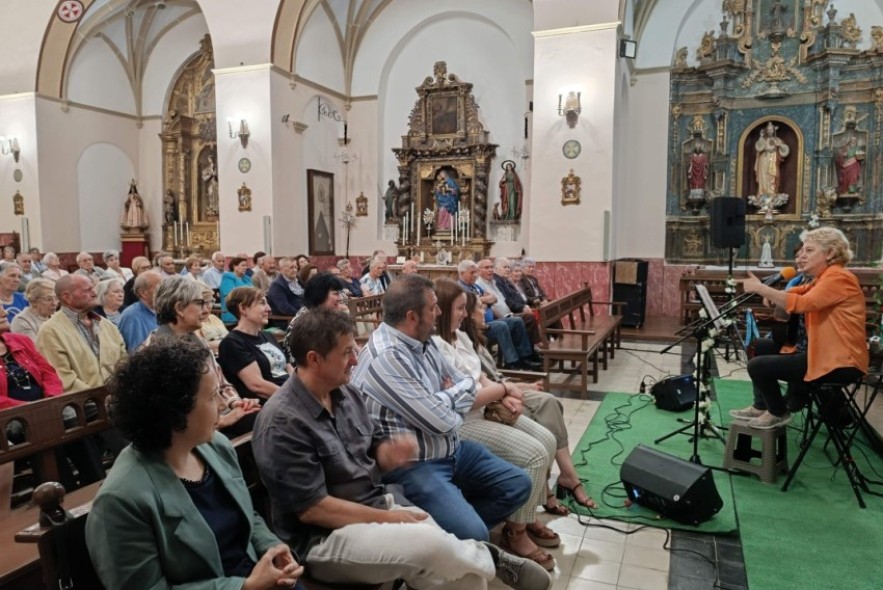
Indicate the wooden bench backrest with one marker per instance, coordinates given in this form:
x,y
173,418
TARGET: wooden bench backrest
x,y
44,427
367,313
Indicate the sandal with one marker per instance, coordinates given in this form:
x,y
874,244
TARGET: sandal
x,y
543,559
543,535
553,506
563,492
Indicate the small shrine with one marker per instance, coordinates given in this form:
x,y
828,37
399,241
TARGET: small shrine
x,y
784,111
444,163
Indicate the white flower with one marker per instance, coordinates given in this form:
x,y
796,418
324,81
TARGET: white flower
x,y
702,314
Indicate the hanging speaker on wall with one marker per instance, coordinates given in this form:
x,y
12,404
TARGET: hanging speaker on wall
x,y
727,222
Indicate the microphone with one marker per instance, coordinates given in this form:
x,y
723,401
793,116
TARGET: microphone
x,y
786,274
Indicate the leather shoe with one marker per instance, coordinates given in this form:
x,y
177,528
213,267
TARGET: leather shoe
x,y
530,365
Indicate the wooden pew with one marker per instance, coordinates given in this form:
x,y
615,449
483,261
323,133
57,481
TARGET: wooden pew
x,y
367,313
584,337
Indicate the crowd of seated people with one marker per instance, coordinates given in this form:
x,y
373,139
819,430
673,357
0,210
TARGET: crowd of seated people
x,y
93,331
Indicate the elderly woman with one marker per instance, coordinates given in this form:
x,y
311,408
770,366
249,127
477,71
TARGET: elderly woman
x,y
181,308
112,261
42,303
53,270
232,279
193,264
541,406
348,279
834,308
252,361
529,283
13,301
110,299
524,443
372,281
175,511
213,329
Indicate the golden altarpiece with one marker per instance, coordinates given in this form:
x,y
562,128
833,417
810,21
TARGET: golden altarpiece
x,y
190,176
444,164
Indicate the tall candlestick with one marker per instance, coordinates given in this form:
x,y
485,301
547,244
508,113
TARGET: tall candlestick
x,y
419,230
187,232
175,233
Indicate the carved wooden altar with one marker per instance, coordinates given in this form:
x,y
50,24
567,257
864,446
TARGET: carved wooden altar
x,y
190,181
445,143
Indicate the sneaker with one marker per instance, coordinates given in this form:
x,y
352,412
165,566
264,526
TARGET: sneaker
x,y
518,572
769,421
747,413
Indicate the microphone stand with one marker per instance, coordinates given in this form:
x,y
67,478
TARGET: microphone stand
x,y
702,428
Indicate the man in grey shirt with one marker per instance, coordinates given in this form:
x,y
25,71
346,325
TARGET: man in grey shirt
x,y
321,458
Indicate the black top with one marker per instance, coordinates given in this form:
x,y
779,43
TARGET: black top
x,y
229,525
20,384
129,297
238,350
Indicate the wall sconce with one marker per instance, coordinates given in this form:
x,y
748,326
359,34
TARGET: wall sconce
x,y
243,132
9,145
628,48
571,109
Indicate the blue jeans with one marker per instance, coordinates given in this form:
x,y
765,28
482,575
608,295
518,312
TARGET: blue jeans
x,y
511,336
467,493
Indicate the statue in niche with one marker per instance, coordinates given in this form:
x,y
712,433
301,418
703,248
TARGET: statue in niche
x,y
766,254
511,193
170,215
134,217
777,23
848,160
697,171
210,185
389,200
771,152
447,200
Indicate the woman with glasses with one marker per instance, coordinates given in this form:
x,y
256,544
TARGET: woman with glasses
x,y
110,300
213,329
181,308
252,361
42,303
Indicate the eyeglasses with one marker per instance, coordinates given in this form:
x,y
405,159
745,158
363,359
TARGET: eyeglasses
x,y
47,298
203,302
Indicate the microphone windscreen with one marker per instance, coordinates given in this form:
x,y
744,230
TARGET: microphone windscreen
x,y
788,273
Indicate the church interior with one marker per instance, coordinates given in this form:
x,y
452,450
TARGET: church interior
x,y
578,133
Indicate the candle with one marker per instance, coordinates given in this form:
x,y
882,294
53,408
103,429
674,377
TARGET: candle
x,y
411,221
175,233
419,231
453,228
187,232
218,231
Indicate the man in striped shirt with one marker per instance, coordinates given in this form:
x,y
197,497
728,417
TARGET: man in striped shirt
x,y
411,388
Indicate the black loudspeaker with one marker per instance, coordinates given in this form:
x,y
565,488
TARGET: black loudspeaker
x,y
630,287
675,394
727,220
675,488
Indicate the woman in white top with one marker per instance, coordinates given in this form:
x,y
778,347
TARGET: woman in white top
x,y
112,260
525,443
53,270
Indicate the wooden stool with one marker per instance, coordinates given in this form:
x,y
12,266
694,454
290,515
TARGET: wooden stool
x,y
773,453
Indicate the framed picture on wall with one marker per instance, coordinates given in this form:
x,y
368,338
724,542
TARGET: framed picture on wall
x,y
444,114
320,208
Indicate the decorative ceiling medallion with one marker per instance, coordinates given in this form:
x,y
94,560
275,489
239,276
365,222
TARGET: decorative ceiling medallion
x,y
70,11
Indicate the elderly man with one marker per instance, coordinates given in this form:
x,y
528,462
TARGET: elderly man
x,y
82,346
36,259
511,298
140,264
164,265
509,333
266,271
139,320
411,388
372,283
10,278
409,267
212,276
282,300
331,507
88,268
28,273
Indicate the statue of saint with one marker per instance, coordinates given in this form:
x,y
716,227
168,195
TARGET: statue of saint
x,y
511,192
848,160
771,152
134,217
170,215
210,182
697,171
447,198
389,200
766,254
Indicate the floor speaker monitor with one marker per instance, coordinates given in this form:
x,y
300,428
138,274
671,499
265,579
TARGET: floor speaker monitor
x,y
674,488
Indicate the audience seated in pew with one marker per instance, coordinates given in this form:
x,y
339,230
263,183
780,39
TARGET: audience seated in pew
x,y
372,281
213,329
86,262
491,278
192,269
302,260
539,405
324,480
281,294
351,283
112,261
13,301
27,271
232,279
266,271
180,311
53,270
524,443
174,510
110,300
322,291
37,259
212,276
42,303
252,361
531,285
139,319
140,264
411,388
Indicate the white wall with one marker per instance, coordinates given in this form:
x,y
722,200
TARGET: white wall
x,y
22,23
103,175
318,57
18,119
98,78
289,182
149,176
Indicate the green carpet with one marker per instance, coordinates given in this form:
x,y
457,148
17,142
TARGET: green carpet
x,y
812,537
